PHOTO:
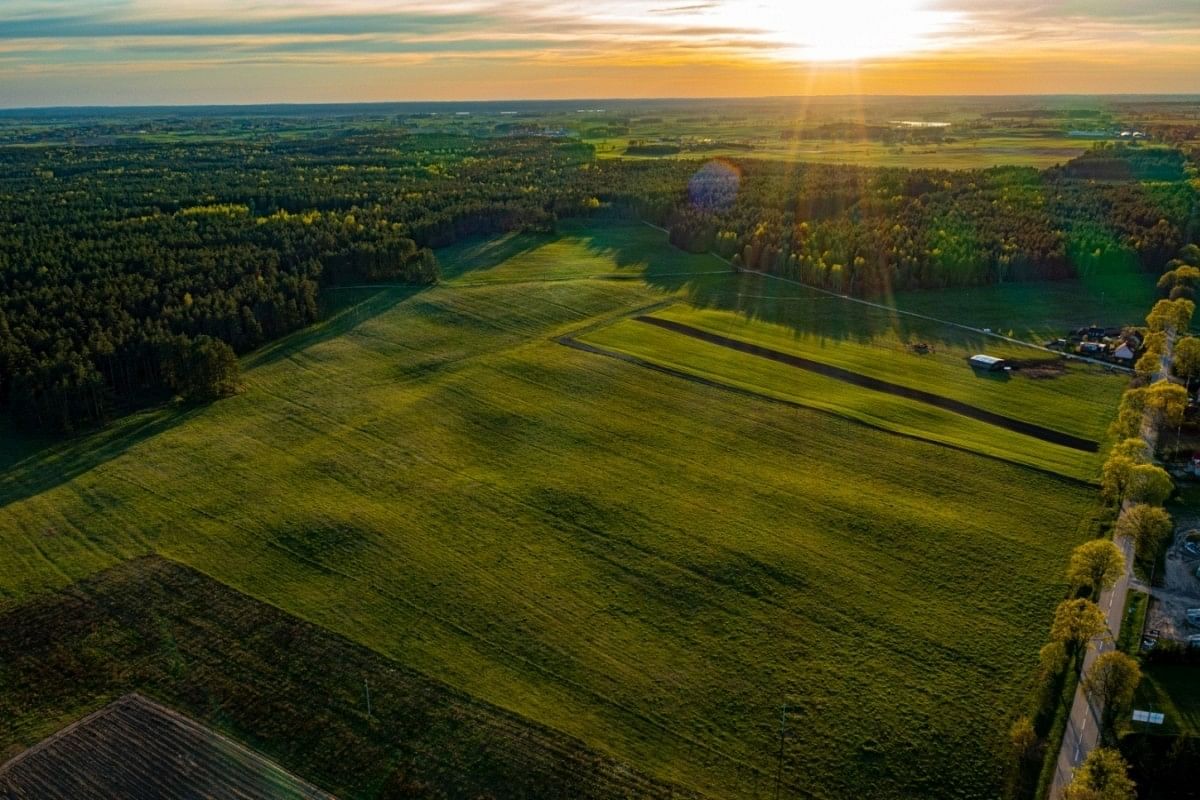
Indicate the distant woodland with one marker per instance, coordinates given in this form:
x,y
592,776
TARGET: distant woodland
x,y
130,273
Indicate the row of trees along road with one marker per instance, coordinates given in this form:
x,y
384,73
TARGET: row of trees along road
x,y
1136,488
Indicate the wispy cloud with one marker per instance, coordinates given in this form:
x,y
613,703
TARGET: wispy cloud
x,y
455,41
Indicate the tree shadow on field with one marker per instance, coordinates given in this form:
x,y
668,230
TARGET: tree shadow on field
x,y
34,463
343,310
706,281
485,253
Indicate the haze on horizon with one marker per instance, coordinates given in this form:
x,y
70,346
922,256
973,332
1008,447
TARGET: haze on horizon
x,y
120,52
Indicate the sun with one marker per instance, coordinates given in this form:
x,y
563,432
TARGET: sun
x,y
838,30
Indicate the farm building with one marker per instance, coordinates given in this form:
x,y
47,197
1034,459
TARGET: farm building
x,y
987,363
137,748
1125,351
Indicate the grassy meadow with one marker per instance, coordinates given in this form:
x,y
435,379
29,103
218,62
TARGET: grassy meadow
x,y
1040,311
901,415
648,564
991,150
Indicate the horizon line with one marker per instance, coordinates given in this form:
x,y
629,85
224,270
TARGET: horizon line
x,y
614,99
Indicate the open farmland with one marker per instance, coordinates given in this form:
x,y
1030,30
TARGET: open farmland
x,y
253,673
137,748
972,153
647,564
1073,399
1042,311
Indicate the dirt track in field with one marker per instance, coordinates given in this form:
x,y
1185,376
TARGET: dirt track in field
x,y
857,379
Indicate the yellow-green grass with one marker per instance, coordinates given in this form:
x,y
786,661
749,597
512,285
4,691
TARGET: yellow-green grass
x,y
981,153
746,372
637,560
1080,400
618,251
1040,311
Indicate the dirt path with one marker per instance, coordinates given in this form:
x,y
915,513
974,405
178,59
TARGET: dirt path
x,y
857,379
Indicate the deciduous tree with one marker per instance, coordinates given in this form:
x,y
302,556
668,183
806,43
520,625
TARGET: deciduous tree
x,y
1115,477
1022,736
1133,448
1171,315
1168,400
1076,622
1147,525
1097,564
1149,483
1187,358
1103,775
1110,684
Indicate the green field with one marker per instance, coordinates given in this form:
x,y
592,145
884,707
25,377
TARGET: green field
x,y
1041,311
975,153
1079,400
1174,690
867,341
648,564
165,631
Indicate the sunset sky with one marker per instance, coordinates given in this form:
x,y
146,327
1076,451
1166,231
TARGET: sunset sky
x,y
71,52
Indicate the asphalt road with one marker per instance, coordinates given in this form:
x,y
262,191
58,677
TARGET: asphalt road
x,y
1083,726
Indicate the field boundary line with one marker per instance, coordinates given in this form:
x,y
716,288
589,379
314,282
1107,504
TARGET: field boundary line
x,y
1045,434
687,376
914,314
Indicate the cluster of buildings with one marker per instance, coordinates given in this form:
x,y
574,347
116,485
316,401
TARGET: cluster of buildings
x,y
1118,345
1123,135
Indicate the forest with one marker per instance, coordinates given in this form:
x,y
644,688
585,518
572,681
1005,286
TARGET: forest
x,y
131,273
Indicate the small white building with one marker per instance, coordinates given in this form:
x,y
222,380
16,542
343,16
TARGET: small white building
x,y
986,363
1124,351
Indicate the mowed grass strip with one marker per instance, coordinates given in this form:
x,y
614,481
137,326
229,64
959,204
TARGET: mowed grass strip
x,y
650,565
1080,400
771,379
874,384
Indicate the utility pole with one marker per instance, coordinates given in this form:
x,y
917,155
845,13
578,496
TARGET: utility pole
x,y
779,766
367,688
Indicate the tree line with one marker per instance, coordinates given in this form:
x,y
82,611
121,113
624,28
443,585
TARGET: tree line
x,y
867,231
131,273
135,271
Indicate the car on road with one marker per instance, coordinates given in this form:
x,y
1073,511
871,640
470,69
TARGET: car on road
x,y
1192,549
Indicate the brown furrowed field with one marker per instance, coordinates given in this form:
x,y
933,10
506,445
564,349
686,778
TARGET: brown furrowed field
x,y
137,748
288,688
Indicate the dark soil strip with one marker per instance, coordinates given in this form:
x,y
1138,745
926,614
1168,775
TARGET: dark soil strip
x,y
768,398
837,373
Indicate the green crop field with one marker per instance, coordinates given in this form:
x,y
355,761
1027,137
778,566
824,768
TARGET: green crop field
x,y
1040,311
648,564
1078,400
745,372
293,690
975,153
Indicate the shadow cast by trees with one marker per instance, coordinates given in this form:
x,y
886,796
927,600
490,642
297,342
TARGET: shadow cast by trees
x,y
33,463
343,310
